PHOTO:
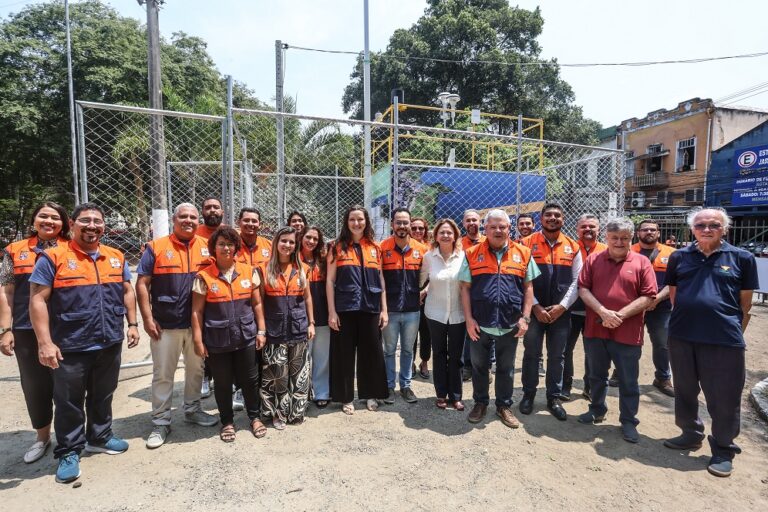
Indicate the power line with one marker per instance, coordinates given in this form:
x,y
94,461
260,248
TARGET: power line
x,y
741,92
537,63
764,90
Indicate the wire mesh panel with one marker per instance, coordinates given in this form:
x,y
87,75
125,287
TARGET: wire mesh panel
x,y
440,173
119,173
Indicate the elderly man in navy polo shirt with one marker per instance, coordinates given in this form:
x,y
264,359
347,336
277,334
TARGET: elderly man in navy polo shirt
x,y
710,286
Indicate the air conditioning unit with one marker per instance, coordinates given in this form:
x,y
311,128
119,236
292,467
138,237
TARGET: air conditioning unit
x,y
638,199
663,197
694,195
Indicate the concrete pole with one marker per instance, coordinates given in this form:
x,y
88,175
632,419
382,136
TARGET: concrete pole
x,y
71,87
160,217
280,126
366,112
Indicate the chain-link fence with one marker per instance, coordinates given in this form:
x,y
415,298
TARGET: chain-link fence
x,y
280,162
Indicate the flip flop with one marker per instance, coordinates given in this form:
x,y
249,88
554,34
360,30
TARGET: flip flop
x,y
321,404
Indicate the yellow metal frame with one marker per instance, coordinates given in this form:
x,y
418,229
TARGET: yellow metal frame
x,y
490,146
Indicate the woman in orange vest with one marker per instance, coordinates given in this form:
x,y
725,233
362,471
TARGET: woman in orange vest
x,y
226,310
313,255
357,311
50,225
286,371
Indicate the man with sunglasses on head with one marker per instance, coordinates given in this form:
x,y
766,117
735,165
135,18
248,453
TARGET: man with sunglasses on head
x,y
710,286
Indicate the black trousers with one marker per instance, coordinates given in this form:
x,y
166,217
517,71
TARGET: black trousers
x,y
36,379
719,372
447,343
577,329
84,383
424,337
240,366
359,334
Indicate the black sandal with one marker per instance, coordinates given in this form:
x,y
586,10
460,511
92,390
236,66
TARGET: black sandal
x,y
321,404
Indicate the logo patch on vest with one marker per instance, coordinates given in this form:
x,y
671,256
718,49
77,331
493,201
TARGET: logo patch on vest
x,y
416,254
215,288
245,283
169,254
71,264
115,262
664,260
724,269
23,255
516,258
204,252
481,257
265,253
568,249
373,253
388,254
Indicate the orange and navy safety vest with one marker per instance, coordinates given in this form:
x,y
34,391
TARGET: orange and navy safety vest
x,y
285,309
176,265
555,264
596,248
467,242
257,255
659,259
358,284
204,231
401,274
496,292
24,254
87,308
316,275
228,319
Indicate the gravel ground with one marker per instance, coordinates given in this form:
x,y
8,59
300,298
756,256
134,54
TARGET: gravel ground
x,y
404,456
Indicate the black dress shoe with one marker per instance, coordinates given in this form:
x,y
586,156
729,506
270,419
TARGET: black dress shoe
x,y
526,405
556,408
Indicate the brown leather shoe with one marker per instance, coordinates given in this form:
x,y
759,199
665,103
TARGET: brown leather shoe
x,y
665,386
507,418
477,413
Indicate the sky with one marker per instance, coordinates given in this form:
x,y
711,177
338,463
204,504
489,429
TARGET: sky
x,y
241,37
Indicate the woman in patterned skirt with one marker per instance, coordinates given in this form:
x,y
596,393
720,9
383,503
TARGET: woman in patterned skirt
x,y
286,372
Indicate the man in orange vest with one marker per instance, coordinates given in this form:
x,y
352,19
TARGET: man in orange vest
x,y
587,231
255,249
658,313
555,291
164,289
80,294
213,216
496,296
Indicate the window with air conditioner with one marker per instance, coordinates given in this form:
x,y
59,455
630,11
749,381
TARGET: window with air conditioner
x,y
653,164
694,195
686,155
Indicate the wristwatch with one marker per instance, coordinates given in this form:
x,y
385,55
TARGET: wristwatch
x,y
133,324
526,318
261,333
4,330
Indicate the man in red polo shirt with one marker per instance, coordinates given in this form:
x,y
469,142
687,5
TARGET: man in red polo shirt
x,y
616,285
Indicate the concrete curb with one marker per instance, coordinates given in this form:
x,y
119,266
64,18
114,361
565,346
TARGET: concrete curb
x,y
759,398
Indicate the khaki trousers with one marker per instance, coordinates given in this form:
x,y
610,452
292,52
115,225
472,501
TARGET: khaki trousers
x,y
165,358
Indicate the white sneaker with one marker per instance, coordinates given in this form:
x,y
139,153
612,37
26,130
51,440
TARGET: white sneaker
x,y
205,391
237,401
157,438
36,451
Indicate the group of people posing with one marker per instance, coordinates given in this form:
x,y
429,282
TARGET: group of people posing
x,y
294,319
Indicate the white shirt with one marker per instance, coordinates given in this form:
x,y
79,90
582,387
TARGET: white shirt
x,y
443,303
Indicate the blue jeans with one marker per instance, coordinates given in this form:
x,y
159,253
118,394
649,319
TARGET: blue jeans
x,y
403,327
657,323
557,339
626,359
506,346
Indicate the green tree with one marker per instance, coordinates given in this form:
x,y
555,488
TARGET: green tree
x,y
109,54
463,30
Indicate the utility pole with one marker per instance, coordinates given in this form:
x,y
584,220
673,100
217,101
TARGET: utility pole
x,y
160,218
70,86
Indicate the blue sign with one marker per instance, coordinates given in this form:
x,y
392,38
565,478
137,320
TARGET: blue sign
x,y
750,184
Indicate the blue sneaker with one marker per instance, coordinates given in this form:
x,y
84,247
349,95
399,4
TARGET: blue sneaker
x,y
69,468
114,446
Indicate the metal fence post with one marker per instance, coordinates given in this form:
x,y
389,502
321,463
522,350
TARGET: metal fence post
x,y
519,192
336,182
230,153
279,121
170,181
81,155
394,203
224,158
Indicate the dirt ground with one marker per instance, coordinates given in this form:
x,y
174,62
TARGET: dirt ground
x,y
403,457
